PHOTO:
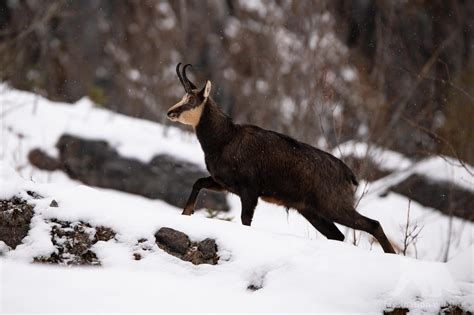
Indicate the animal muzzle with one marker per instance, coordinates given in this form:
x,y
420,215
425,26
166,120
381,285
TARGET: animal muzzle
x,y
172,115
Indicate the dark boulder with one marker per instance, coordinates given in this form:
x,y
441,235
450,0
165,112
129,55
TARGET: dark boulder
x,y
180,176
178,244
208,248
442,195
15,217
173,240
95,163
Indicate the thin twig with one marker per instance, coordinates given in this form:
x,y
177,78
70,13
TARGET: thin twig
x,y
410,235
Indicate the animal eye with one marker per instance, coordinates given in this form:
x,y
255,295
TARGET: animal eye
x,y
192,100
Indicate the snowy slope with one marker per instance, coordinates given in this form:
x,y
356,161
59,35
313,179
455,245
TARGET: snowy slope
x,y
299,269
29,120
296,274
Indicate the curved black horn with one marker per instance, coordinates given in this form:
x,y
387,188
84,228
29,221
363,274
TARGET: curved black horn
x,y
191,85
179,76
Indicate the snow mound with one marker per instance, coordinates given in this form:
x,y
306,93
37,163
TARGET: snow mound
x,y
11,183
462,265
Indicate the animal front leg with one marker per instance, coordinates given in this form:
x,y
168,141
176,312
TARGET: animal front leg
x,y
249,202
206,183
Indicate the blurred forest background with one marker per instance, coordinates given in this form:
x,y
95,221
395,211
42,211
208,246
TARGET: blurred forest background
x,y
399,74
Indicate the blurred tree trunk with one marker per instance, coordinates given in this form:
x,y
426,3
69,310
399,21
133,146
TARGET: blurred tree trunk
x,y
411,52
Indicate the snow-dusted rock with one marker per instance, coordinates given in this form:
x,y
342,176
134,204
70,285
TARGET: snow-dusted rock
x,y
96,163
445,196
178,244
15,217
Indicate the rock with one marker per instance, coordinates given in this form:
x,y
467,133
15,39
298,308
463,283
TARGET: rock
x,y
208,248
104,234
252,287
41,160
178,244
397,311
204,252
453,310
177,177
174,240
15,217
442,195
137,256
95,163
73,241
54,204
447,310
34,194
143,247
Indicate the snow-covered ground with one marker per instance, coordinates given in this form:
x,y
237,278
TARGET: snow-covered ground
x,y
296,274
298,268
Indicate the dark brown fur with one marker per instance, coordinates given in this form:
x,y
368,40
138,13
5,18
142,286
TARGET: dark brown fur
x,y
253,163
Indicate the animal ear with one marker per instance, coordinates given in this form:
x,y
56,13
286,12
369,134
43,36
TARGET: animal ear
x,y
206,90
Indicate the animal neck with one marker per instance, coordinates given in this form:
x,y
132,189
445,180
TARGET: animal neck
x,y
214,129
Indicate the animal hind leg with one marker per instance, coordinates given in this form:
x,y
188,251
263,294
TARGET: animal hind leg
x,y
355,220
324,226
249,202
206,183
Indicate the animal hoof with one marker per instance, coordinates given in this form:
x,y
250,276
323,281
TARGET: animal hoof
x,y
187,212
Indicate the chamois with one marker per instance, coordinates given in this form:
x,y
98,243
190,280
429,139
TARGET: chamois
x,y
254,163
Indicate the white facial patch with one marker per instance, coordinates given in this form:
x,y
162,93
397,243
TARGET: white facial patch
x,y
192,116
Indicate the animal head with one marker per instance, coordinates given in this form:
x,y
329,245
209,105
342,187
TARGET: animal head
x,y
189,109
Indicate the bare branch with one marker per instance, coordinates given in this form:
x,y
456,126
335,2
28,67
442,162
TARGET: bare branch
x,y
411,233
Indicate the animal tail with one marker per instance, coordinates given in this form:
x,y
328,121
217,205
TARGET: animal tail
x,y
350,174
353,179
